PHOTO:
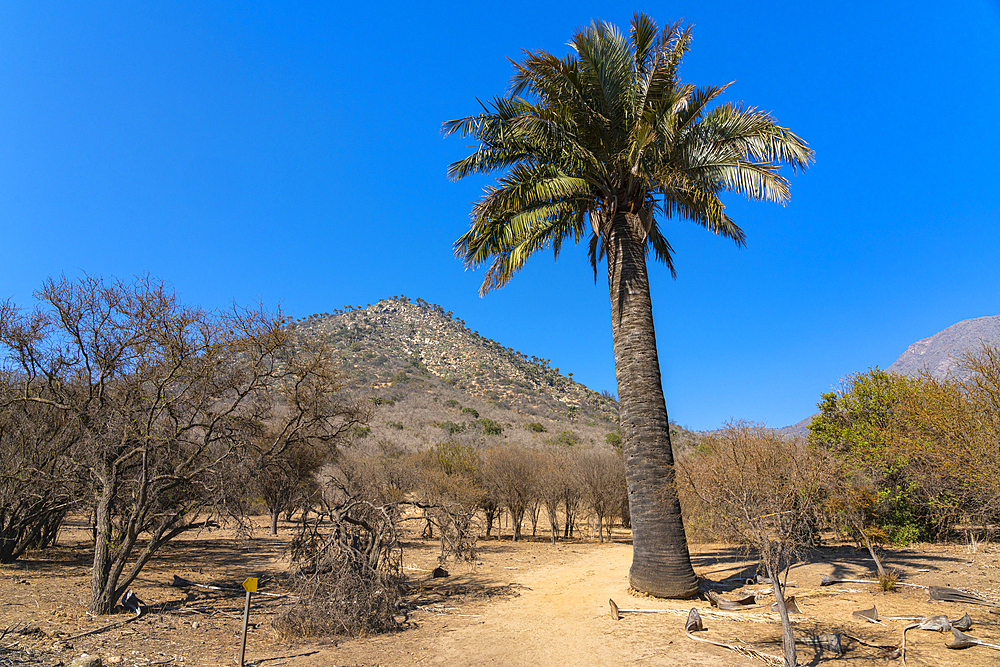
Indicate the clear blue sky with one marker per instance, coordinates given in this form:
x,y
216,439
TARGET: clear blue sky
x,y
292,152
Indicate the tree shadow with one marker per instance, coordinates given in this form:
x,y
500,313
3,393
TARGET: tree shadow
x,y
466,586
844,562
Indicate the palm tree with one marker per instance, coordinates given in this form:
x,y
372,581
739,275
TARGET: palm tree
x,y
610,136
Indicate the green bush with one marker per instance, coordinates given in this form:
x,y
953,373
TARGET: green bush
x,y
536,427
451,428
566,439
906,534
471,411
490,427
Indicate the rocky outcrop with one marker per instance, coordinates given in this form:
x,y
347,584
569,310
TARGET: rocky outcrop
x,y
939,354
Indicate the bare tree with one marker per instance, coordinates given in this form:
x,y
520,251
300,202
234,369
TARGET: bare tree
x,y
39,483
602,482
448,493
168,400
764,491
511,475
287,479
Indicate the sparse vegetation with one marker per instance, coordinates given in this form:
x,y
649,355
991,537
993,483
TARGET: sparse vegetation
x,y
765,492
566,439
161,412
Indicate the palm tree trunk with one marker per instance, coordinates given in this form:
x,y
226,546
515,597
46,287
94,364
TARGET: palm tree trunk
x,y
661,564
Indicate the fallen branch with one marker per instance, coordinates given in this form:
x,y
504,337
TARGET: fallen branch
x,y
865,642
694,624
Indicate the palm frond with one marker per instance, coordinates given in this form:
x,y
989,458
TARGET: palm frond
x,y
704,209
662,249
509,243
755,135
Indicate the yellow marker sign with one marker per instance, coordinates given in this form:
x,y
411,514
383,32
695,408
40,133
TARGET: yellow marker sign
x,y
250,585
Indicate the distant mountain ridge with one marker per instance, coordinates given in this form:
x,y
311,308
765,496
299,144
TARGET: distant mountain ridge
x,y
939,354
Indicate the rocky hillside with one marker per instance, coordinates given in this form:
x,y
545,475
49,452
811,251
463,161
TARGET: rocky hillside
x,y
938,354
384,342
437,379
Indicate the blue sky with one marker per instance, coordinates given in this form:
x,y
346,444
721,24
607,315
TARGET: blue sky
x,y
292,152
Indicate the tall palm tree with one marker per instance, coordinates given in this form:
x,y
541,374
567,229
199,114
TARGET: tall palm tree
x,y
610,136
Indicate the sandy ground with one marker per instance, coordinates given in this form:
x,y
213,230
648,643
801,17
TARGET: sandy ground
x,y
526,603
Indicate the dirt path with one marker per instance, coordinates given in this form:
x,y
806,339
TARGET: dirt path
x,y
525,603
560,617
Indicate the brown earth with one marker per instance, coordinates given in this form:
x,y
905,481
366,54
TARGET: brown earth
x,y
526,603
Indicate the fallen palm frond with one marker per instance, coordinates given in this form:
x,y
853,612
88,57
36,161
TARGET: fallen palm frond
x,y
694,624
790,606
180,582
952,595
752,615
717,600
872,616
933,623
963,640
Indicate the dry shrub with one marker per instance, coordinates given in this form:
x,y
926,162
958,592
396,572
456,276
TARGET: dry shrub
x,y
887,580
753,486
349,582
763,491
448,492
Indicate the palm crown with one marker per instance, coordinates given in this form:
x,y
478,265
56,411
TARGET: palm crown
x,y
611,129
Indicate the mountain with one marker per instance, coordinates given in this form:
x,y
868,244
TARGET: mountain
x,y
436,379
939,354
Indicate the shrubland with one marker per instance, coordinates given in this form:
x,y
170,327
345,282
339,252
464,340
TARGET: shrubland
x,y
155,418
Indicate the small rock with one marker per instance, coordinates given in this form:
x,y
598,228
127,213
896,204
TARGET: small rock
x,y
85,660
113,659
196,625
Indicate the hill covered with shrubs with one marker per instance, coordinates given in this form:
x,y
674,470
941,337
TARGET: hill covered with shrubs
x,y
436,379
